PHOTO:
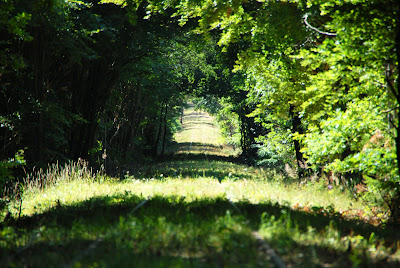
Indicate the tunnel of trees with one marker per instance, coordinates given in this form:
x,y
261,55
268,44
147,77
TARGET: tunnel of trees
x,y
306,84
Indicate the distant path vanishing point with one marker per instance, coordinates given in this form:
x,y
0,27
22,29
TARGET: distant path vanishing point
x,y
200,134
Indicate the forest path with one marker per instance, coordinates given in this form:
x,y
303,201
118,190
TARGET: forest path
x,y
197,208
200,135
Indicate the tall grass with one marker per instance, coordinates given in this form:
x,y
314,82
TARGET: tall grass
x,y
54,174
75,182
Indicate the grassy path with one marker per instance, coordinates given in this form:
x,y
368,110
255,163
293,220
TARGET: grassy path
x,y
200,135
196,209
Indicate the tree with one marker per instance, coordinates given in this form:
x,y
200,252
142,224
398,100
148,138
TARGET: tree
x,y
351,84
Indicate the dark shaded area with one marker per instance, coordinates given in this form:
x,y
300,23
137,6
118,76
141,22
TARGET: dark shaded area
x,y
197,123
184,165
102,214
197,146
191,173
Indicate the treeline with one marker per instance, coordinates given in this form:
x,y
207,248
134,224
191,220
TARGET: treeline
x,y
93,80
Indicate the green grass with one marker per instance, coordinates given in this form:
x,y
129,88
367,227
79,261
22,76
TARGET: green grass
x,y
192,180
200,135
106,230
198,209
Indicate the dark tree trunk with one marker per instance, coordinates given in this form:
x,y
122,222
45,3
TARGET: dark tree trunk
x,y
165,130
297,128
91,90
35,130
160,122
182,115
395,202
249,131
126,141
397,46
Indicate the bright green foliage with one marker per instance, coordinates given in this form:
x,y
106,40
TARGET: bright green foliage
x,y
347,94
276,148
347,130
350,96
229,123
274,86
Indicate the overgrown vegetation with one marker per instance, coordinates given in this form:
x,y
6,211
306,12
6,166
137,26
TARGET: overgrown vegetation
x,y
198,209
307,89
290,82
196,213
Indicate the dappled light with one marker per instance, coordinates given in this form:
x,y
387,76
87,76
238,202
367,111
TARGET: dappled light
x,y
173,229
199,133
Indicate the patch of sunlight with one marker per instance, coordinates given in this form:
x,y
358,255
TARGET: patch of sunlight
x,y
65,193
200,134
116,2
252,190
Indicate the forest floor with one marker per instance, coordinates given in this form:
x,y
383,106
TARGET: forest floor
x,y
197,208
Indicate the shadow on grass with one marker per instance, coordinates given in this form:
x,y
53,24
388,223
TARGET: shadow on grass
x,y
125,230
198,121
197,147
194,166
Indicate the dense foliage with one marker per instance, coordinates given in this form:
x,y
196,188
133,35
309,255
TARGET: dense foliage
x,y
81,77
322,79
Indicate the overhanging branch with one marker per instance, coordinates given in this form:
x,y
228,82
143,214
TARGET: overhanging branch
x,y
392,109
316,29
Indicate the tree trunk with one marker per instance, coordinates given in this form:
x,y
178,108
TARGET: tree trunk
x,y
297,128
397,45
395,211
35,138
165,130
182,115
91,90
160,122
132,113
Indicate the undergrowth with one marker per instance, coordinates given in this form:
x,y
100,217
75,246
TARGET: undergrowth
x,y
181,217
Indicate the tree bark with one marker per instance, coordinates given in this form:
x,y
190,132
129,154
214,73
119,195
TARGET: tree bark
x,y
160,122
397,46
91,90
395,202
165,130
297,128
